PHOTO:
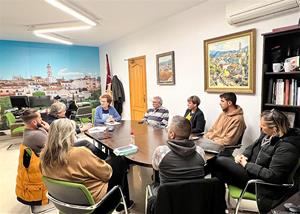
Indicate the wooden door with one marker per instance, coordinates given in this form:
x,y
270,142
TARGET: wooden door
x,y
138,87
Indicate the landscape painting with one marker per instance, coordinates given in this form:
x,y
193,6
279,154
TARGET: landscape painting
x,y
165,66
230,63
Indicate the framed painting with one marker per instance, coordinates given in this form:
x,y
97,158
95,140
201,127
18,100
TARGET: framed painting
x,y
165,68
230,63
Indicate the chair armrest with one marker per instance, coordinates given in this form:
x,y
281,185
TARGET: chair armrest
x,y
259,181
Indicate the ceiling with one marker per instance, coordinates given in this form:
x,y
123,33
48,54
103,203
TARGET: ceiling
x,y
117,18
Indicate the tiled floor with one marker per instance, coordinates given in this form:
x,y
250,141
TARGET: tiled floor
x,y
138,178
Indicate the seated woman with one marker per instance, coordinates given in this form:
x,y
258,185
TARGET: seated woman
x,y
272,158
60,160
195,116
105,112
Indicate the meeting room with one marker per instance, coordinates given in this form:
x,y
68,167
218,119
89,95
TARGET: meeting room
x,y
150,107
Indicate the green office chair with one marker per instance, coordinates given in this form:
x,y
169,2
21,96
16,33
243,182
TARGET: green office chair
x,y
75,198
16,128
240,194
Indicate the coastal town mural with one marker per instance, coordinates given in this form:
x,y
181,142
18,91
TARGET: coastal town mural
x,y
27,68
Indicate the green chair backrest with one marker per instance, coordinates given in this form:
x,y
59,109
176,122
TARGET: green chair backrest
x,y
93,115
10,118
68,192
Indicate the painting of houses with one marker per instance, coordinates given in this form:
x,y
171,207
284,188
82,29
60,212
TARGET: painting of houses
x,y
229,63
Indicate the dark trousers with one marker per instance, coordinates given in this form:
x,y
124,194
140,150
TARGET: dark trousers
x,y
91,147
230,172
119,177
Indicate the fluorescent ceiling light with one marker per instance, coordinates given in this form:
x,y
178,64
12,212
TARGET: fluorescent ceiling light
x,y
72,12
62,29
55,38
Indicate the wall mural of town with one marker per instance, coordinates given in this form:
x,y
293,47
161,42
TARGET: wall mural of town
x,y
55,69
27,68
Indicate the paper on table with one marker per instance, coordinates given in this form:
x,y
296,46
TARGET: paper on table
x,y
97,129
113,123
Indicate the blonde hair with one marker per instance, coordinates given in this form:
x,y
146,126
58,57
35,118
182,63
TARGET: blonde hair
x,y
60,139
57,108
276,119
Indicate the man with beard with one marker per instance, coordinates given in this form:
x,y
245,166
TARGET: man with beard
x,y
230,125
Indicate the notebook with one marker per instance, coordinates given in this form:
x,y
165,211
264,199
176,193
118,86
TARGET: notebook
x,y
126,150
209,146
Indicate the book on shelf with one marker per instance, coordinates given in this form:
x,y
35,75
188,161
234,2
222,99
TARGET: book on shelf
x,y
283,92
291,101
298,97
286,91
295,93
270,91
279,92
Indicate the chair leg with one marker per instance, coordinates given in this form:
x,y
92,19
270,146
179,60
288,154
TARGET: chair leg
x,y
123,199
238,205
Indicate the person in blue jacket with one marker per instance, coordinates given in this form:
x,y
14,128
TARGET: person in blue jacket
x,y
105,113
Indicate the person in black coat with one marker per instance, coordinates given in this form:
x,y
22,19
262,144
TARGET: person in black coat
x,y
271,158
195,116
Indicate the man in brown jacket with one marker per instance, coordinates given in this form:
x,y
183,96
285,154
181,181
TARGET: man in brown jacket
x,y
230,125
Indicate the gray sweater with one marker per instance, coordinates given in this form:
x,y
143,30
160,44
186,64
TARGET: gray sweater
x,y
35,139
179,160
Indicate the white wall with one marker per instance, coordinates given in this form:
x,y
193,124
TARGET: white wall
x,y
184,33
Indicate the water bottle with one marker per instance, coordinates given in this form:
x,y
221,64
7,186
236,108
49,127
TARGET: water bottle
x,y
132,138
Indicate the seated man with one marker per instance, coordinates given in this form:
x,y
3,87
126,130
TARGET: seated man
x,y
30,188
195,116
36,130
230,125
158,115
181,152
105,113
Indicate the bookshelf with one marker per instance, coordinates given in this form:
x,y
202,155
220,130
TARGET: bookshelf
x,y
281,90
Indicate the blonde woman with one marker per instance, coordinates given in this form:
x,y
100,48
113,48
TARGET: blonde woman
x,y
60,160
271,158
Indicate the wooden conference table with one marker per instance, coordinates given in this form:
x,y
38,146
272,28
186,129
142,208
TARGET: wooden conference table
x,y
147,138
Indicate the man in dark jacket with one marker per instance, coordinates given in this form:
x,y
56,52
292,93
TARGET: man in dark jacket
x,y
180,159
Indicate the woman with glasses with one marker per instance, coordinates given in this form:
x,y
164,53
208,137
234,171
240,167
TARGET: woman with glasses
x,y
271,158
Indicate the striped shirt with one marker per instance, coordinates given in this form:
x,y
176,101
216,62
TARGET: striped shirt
x,y
157,117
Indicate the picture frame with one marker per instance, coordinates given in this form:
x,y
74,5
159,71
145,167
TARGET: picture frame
x,y
165,68
229,63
